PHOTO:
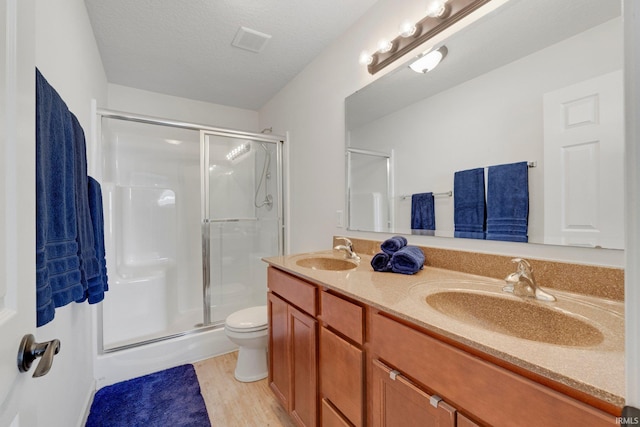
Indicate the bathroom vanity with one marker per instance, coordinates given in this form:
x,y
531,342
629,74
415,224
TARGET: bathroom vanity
x,y
351,347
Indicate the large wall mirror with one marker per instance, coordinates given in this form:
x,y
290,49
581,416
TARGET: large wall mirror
x,y
537,81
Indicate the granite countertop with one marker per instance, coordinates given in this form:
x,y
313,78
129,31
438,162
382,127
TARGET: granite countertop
x,y
595,368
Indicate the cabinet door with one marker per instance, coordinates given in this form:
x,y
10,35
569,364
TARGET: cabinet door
x,y
331,417
341,370
279,363
304,368
465,422
397,402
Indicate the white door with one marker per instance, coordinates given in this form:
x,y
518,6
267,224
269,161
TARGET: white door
x,y
583,163
17,204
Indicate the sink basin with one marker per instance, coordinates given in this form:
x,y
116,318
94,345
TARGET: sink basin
x,y
529,320
325,263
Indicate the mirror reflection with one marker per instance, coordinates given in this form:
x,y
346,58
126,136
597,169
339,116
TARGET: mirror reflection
x,y
535,81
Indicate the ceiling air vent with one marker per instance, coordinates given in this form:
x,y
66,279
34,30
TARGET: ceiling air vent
x,y
249,39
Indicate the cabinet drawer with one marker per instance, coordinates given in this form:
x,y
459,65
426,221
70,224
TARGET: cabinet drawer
x,y
342,315
492,394
341,375
396,401
331,417
294,290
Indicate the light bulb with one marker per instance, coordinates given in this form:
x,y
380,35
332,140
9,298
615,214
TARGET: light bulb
x,y
407,28
437,9
365,58
385,46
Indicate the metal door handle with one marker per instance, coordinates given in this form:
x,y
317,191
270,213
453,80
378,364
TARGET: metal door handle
x,y
30,350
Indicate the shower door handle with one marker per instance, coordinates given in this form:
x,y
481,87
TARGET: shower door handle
x,y
30,350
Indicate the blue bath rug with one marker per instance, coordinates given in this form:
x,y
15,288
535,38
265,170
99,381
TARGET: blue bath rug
x,y
166,398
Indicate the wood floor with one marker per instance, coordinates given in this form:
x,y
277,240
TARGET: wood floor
x,y
231,403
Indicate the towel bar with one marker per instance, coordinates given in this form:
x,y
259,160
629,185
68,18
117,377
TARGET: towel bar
x,y
443,194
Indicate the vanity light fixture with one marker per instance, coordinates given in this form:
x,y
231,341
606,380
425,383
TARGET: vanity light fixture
x,y
441,14
429,60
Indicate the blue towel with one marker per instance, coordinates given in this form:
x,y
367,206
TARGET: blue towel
x,y
408,260
58,277
89,267
393,244
99,284
469,207
508,202
381,262
422,212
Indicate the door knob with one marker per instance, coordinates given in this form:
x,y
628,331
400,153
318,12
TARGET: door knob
x,y
30,350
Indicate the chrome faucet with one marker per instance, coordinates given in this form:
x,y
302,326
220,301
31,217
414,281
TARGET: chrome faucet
x,y
348,248
523,284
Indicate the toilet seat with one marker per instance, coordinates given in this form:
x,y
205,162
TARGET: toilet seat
x,y
250,319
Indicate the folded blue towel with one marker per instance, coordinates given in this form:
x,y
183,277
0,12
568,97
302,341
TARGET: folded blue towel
x,y
58,277
393,244
99,284
408,260
422,212
89,267
468,204
508,202
380,262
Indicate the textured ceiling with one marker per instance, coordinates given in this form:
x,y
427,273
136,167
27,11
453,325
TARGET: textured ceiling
x,y
183,47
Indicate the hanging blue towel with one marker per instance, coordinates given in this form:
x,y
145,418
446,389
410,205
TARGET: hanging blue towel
x,y
99,284
58,277
469,207
408,260
381,262
422,212
508,202
393,244
89,267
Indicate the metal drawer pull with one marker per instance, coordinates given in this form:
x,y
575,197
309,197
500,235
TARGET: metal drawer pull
x,y
393,374
434,400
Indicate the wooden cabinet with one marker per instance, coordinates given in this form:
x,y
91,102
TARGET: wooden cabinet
x,y
293,364
341,375
279,342
330,367
342,359
491,394
397,401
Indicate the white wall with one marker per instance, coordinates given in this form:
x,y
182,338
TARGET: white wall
x,y
123,98
311,109
67,55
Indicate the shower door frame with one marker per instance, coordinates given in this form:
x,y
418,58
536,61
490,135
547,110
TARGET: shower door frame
x,y
102,113
388,158
205,206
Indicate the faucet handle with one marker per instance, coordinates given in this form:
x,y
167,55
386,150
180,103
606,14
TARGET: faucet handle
x,y
346,241
523,264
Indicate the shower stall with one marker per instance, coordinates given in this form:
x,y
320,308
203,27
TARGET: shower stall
x,y
190,211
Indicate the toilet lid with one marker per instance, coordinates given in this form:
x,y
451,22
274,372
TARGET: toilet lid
x,y
251,318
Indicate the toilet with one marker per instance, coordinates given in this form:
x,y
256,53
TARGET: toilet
x,y
248,328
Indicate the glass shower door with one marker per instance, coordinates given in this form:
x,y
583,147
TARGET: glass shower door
x,y
241,220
